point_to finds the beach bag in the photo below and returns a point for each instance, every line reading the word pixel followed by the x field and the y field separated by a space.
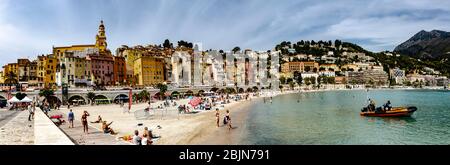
pixel 225 120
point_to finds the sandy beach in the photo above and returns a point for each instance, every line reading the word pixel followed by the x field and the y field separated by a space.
pixel 195 128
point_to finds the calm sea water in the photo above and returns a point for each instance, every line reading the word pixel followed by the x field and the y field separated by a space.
pixel 333 118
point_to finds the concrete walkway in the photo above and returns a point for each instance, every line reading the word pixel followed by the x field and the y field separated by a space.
pixel 18 130
pixel 47 133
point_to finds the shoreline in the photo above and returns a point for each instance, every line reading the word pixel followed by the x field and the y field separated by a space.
pixel 188 129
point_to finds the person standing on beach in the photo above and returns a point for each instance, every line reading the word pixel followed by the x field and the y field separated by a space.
pixel 70 117
pixel 217 116
pixel 228 120
pixel 84 121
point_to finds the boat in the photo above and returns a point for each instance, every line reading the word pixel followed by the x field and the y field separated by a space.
pixel 394 112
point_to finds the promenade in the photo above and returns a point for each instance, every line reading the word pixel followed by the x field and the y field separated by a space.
pixel 17 130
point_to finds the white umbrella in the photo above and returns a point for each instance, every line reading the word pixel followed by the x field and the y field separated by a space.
pixel 14 100
pixel 26 100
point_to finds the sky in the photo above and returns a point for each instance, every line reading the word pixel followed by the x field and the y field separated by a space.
pixel 31 27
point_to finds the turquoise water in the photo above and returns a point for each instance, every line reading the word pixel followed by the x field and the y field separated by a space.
pixel 333 118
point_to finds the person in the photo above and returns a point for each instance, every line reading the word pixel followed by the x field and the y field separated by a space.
pixel 99 120
pixel 125 109
pixel 228 120
pixel 145 131
pixel 217 116
pixel 387 106
pixel 70 117
pixel 107 129
pixel 84 122
pixel 371 106
pixel 136 139
pixel 145 140
pixel 31 110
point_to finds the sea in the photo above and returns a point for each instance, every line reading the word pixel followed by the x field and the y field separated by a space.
pixel 332 118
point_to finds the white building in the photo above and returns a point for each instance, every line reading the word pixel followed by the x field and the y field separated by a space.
pixel 397 75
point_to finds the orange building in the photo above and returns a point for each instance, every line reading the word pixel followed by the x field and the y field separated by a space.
pixel 290 67
pixel 120 70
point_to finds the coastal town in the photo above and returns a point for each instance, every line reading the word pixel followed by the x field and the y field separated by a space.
pixel 151 86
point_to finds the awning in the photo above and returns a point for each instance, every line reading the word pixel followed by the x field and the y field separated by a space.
pixel 26 100
pixel 14 100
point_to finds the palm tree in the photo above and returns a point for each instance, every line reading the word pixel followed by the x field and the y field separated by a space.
pixel 11 79
pixel 144 95
pixel 162 89
pixel 90 96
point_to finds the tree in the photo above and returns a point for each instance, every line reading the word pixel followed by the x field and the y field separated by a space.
pixel 185 44
pixel 20 95
pixel 298 77
pixel 167 44
pixel 307 80
pixel 307 69
pixel 313 80
pixel 289 80
pixel 236 49
pixel 255 89
pixel 315 70
pixel 162 89
pixel 144 95
pixel 90 96
pixel 322 69
pixel 46 93
pixel 282 80
pixel 291 84
pixel 337 43
pixel 220 51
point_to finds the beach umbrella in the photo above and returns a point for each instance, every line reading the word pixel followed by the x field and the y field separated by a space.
pixel 195 101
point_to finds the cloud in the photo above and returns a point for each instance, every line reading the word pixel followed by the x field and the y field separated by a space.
pixel 28 27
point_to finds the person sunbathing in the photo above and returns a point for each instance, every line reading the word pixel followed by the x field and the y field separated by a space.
pixel 99 120
pixel 107 129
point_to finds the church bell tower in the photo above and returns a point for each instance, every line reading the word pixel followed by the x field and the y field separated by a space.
pixel 100 38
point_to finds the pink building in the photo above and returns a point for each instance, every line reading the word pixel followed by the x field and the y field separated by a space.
pixel 102 68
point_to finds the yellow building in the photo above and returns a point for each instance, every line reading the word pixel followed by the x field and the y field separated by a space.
pixel 350 67
pixel 12 71
pixel 2 77
pixel 46 71
pixel 100 44
pixel 131 54
pixel 59 51
pixel 149 70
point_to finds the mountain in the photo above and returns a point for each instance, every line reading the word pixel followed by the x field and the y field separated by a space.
pixel 426 45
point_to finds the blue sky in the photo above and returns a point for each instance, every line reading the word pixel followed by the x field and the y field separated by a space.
pixel 32 27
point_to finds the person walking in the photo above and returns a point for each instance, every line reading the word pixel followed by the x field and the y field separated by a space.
pixel 31 111
pixel 70 117
pixel 217 117
pixel 84 122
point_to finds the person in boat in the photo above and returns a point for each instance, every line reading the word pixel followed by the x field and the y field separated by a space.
pixel 371 106
pixel 388 106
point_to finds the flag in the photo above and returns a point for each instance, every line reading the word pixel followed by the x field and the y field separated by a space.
pixel 130 99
